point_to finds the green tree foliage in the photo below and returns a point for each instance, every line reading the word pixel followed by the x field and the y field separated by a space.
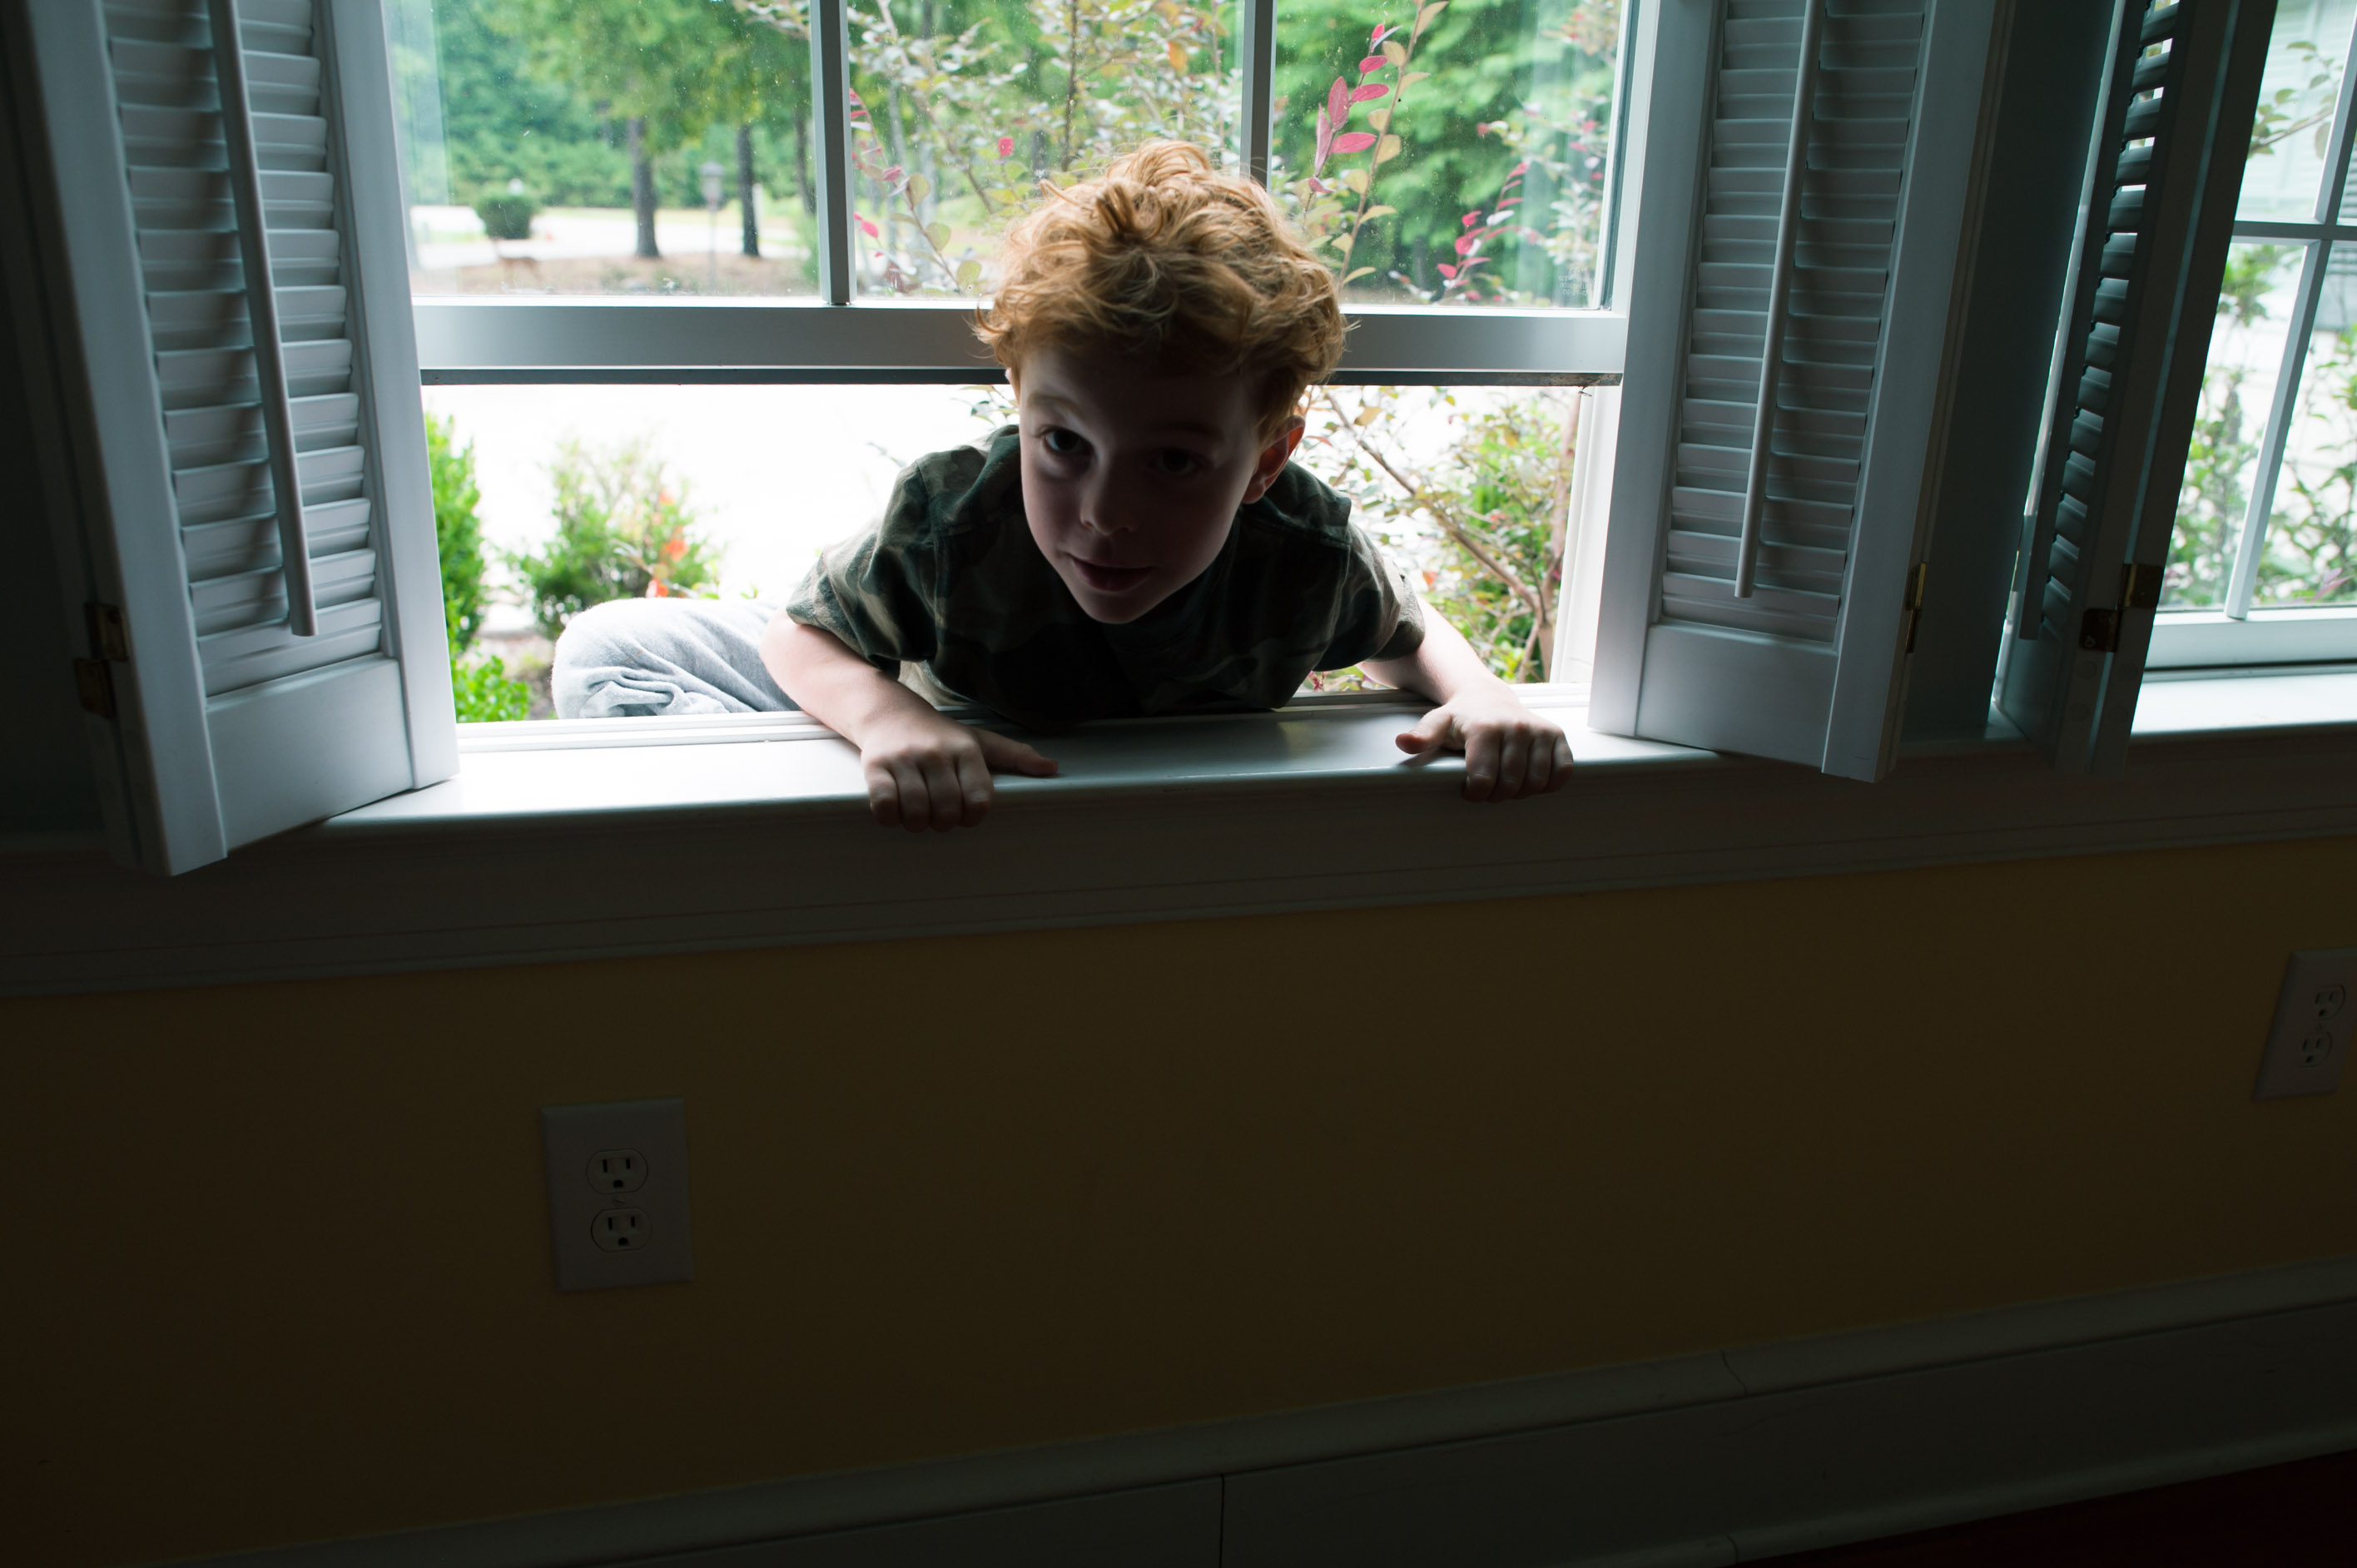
pixel 502 119
pixel 481 688
pixel 624 530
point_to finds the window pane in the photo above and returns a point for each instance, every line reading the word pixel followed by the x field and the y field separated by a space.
pixel 605 146
pixel 2246 344
pixel 579 494
pixel 2302 79
pixel 964 106
pixel 1453 154
pixel 2311 548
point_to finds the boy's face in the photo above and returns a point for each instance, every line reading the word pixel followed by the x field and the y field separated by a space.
pixel 1132 475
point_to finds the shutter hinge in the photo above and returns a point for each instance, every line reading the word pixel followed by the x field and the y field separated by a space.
pixel 95 685
pixel 1915 581
pixel 109 639
pixel 2099 629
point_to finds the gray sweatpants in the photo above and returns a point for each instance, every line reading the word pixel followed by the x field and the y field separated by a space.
pixel 642 657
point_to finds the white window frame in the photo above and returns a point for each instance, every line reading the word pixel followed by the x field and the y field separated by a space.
pixel 2237 633
pixel 839 338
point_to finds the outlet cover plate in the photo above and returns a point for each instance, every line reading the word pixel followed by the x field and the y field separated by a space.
pixel 2310 1042
pixel 573 1137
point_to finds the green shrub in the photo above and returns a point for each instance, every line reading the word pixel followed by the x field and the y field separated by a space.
pixel 623 531
pixel 484 693
pixel 457 530
pixel 506 217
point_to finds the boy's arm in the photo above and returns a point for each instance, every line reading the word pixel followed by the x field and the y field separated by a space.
pixel 923 770
pixel 1509 750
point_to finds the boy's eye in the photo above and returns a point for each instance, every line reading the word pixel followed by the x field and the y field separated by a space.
pixel 1170 460
pixel 1062 441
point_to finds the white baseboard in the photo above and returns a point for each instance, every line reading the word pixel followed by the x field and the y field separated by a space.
pixel 1721 1457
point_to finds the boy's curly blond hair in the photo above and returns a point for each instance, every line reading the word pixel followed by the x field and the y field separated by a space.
pixel 1167 259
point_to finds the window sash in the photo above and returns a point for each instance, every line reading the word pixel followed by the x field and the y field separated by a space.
pixel 835 338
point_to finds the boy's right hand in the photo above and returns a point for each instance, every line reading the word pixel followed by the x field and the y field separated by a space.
pixel 927 771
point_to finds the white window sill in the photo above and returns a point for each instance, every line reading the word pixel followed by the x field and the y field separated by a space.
pixel 671 836
pixel 791 766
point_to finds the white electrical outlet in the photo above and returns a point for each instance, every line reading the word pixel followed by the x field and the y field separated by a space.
pixel 2313 1015
pixel 618 1192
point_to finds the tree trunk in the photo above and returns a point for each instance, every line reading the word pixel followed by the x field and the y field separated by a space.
pixel 643 189
pixel 744 196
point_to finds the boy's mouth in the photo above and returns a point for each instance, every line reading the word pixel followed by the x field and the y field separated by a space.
pixel 1109 579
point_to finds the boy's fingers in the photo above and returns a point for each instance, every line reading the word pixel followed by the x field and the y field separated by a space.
pixel 1561 773
pixel 916 804
pixel 1004 756
pixel 1427 733
pixel 1513 765
pixel 883 797
pixel 944 793
pixel 974 785
pixel 1480 764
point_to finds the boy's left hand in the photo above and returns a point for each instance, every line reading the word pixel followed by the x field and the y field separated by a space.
pixel 1510 751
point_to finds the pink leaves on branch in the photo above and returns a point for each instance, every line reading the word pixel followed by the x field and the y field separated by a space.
pixel 1006 146
pixel 1372 64
pixel 1354 142
pixel 1372 89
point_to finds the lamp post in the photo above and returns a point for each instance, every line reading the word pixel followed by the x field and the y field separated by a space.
pixel 712 173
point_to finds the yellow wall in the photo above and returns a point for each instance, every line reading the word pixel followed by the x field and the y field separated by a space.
pixel 278 1266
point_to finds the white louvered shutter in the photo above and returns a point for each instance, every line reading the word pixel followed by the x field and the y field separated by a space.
pixel 2162 182
pixel 232 724
pixel 1807 666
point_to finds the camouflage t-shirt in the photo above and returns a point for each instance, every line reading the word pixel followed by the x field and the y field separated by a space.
pixel 952 581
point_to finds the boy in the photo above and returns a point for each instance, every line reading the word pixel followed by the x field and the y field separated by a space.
pixel 1138 542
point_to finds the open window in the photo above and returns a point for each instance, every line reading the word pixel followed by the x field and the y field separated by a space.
pixel 697 292
pixel 248 536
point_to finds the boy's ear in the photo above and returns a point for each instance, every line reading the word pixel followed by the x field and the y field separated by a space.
pixel 1272 459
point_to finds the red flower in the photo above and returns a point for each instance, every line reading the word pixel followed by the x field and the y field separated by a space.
pixel 1354 142
pixel 1006 146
